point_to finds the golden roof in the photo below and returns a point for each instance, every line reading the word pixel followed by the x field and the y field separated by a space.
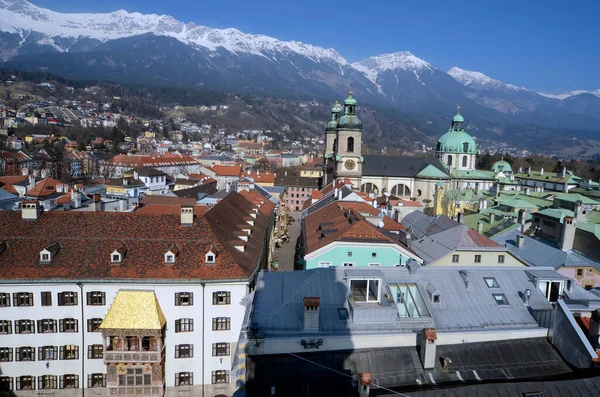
pixel 134 310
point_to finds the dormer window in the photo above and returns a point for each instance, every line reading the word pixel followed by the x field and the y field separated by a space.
pixel 210 258
pixel 45 257
pixel 116 258
pixel 117 255
pixel 170 258
pixel 436 298
pixel 171 254
pixel 49 252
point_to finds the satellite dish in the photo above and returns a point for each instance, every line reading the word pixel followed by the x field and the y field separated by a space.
pixel 380 224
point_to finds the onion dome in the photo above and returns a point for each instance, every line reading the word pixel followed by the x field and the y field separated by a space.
pixel 350 120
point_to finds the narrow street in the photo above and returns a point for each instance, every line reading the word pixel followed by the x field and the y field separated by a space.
pixel 285 254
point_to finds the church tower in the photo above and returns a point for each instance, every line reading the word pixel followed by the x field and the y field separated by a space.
pixel 348 150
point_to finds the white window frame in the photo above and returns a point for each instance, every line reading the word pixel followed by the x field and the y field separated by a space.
pixel 374 264
pixel 169 257
pixel 116 255
pixel 210 253
pixel 368 280
pixel 325 264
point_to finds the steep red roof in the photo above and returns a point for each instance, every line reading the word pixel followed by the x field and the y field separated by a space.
pixel 166 209
pixel 88 238
pixel 44 188
pixel 154 160
pixel 332 223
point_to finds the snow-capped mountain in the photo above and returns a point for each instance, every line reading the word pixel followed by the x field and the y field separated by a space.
pixel 479 81
pixel 570 94
pixel 22 17
pixel 158 49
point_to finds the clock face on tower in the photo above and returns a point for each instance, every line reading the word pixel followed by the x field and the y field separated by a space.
pixel 349 164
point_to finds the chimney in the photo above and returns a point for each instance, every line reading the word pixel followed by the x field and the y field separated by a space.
pixel 541 171
pixel 492 217
pixel 187 215
pixel 522 219
pixel 520 240
pixel 335 193
pixel 482 204
pixel 125 182
pixel 526 191
pixel 594 331
pixel 479 227
pixel 459 217
pixel 427 351
pixel 567 237
pixel 527 296
pixel 408 239
pixel 311 313
pixel 520 170
pixel 364 384
pixel 76 198
pixel 30 210
pixel 563 174
pixel 579 211
pixel 285 172
pixel 465 276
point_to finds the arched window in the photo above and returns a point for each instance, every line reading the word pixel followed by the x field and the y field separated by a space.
pixel 438 147
pixel 335 144
pixel 464 162
pixel 369 188
pixel 449 162
pixel 350 144
pixel 400 190
pixel 466 147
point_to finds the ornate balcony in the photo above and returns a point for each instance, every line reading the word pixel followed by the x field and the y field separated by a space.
pixel 132 356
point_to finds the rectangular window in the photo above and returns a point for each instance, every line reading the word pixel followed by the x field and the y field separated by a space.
pixel 500 299
pixel 580 272
pixel 22 299
pixel 221 298
pixel 221 323
pixel 455 258
pixel 46 298
pixel 477 259
pixel 46 326
pixel 5 327
pixel 68 325
pixel 184 298
pixel 220 376
pixel 349 254
pixel 48 353
pixel 93 324
pixel 6 354
pixel 6 383
pixel 96 298
pixel 184 351
pixel 96 380
pixel 184 325
pixel 25 383
pixel 491 282
pixel 24 353
pixel 500 258
pixel 24 327
pixel 364 290
pixel 46 382
pixel 374 255
pixel 67 298
pixel 69 352
pixel 69 381
pixel 4 299
pixel 95 351
pixel 374 264
pixel 184 379
pixel 221 349
pixel 324 264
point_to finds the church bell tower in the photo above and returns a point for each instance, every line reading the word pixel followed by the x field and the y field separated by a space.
pixel 348 144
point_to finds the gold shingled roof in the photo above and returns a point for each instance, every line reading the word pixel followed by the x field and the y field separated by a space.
pixel 134 310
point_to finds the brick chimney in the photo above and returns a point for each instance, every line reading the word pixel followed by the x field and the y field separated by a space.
pixel 187 215
pixel 30 210
pixel 567 237
pixel 364 384
pixel 427 352
pixel 492 217
pixel 311 313
pixel 480 227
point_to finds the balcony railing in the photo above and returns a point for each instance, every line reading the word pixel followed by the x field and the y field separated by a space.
pixel 113 356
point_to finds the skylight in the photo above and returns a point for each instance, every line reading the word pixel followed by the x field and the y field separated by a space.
pixel 500 299
pixel 491 282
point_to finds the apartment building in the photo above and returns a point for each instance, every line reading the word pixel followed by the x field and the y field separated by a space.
pixel 124 303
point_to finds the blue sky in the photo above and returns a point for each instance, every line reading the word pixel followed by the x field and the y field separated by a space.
pixel 544 45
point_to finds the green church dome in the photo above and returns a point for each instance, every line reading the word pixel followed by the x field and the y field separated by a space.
pixel 501 166
pixel 350 100
pixel 332 125
pixel 350 120
pixel 456 140
pixel 337 108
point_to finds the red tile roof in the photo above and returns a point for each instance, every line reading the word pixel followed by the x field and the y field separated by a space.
pixel 165 209
pixel 154 160
pixel 227 170
pixel 88 238
pixel 259 177
pixel 362 208
pixel 44 188
pixel 333 223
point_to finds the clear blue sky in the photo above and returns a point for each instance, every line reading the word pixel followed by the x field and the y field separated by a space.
pixel 544 45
